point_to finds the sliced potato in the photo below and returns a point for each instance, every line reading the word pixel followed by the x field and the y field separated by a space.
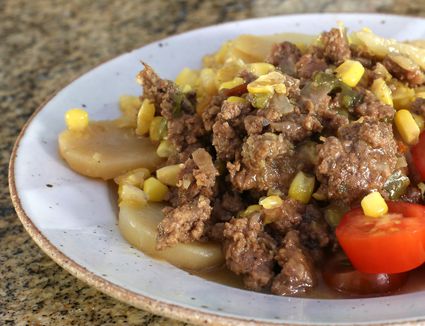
pixel 139 227
pixel 381 47
pixel 103 150
pixel 253 48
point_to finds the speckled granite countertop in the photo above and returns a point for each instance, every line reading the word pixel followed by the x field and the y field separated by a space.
pixel 44 45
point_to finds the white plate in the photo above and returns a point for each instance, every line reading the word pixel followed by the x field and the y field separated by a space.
pixel 74 219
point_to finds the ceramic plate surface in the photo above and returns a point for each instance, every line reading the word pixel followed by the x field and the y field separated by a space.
pixel 73 218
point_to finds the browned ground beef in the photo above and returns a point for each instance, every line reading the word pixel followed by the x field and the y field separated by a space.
pixel 267 162
pixel 249 251
pixel 308 64
pixel 297 273
pixel 372 107
pixel 235 154
pixel 418 107
pixel 195 190
pixel 413 75
pixel 285 56
pixel 335 46
pixel 358 160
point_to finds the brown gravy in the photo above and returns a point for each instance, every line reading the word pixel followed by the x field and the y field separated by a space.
pixel 415 282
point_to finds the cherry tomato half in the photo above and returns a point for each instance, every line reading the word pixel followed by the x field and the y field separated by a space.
pixel 418 155
pixel 392 243
pixel 341 276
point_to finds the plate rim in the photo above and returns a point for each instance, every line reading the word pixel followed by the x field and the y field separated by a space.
pixel 122 294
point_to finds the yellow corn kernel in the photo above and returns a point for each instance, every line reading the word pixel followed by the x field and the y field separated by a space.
pixel 145 117
pixel 232 83
pixel 374 205
pixel 76 119
pixel 407 127
pixel 260 68
pixel 403 96
pixel 268 84
pixel 382 91
pixel 169 175
pixel 134 177
pixel 271 202
pixel 236 99
pixel 302 187
pixel 165 149
pixel 158 129
pixel 131 195
pixel 350 72
pixel 207 81
pixel 155 189
pixel 249 210
pixel 187 77
pixel 419 121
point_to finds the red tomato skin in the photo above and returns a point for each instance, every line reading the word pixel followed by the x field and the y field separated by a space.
pixel 384 252
pixel 418 155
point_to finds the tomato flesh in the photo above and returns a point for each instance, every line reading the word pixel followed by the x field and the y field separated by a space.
pixel 418 156
pixel 341 276
pixel 393 243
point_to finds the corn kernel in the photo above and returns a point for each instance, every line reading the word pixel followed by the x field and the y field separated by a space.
pixel 169 175
pixel 232 83
pixel 382 91
pixel 260 68
pixel 187 77
pixel 271 202
pixel 134 177
pixel 374 205
pixel 419 121
pixel 155 189
pixel 145 117
pixel 131 195
pixel 249 210
pixel 158 129
pixel 268 84
pixel 350 72
pixel 236 99
pixel 302 187
pixel 165 149
pixel 407 127
pixel 76 119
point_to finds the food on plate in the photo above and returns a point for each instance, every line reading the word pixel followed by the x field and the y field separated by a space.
pixel 291 159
